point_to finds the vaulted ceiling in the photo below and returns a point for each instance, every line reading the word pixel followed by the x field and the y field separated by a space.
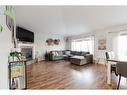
pixel 69 20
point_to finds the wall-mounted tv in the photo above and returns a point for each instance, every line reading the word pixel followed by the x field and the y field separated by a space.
pixel 24 35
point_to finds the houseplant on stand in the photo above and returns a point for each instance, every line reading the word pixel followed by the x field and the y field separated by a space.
pixel 15 56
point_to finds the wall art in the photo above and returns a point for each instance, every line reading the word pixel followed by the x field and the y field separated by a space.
pixel 102 44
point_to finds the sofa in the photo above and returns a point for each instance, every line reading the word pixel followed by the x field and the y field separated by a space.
pixel 72 56
pixel 55 55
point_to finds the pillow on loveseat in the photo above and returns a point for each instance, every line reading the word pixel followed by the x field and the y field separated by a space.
pixel 54 53
pixel 60 53
pixel 67 52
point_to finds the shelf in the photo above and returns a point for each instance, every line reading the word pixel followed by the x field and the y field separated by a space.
pixel 17 75
pixel 17 61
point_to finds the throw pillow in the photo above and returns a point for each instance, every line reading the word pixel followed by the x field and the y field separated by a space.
pixel 67 52
pixel 57 54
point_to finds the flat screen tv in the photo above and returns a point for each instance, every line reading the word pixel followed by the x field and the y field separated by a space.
pixel 24 35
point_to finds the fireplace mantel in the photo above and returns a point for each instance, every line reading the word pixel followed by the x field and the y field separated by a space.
pixel 27 44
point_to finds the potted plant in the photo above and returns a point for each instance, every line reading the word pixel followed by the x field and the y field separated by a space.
pixel 15 56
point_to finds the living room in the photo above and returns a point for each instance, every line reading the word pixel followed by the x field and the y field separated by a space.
pixel 68 45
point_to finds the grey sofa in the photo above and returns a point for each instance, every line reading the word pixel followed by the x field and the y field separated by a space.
pixel 55 55
pixel 74 57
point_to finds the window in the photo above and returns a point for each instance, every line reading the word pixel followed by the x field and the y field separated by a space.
pixel 85 44
pixel 122 51
pixel 117 44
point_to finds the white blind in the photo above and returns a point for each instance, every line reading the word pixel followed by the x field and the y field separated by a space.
pixel 122 45
pixel 117 43
pixel 84 44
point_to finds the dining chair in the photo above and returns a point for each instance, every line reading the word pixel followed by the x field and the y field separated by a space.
pixel 121 68
pixel 110 55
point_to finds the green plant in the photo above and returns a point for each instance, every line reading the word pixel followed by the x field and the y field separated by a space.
pixel 16 54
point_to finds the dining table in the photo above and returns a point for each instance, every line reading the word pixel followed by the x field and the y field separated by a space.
pixel 110 62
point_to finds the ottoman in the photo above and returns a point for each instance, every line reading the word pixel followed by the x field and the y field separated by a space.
pixel 78 60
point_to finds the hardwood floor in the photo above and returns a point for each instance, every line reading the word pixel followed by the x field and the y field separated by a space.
pixel 63 75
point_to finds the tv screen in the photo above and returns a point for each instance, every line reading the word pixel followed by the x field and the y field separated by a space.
pixel 24 35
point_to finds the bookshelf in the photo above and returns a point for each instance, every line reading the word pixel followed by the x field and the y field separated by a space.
pixel 17 75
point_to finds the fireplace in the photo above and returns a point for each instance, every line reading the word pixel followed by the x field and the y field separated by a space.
pixel 27 52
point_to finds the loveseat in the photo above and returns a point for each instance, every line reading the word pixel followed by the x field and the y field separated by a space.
pixel 56 55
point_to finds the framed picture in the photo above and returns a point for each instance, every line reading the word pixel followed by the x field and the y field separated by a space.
pixel 102 44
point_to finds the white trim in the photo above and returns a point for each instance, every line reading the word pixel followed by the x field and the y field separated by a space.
pixel 27 45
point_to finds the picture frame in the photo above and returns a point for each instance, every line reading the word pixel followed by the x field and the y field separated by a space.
pixel 102 44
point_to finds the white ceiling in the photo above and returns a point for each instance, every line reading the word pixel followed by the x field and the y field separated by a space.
pixel 69 20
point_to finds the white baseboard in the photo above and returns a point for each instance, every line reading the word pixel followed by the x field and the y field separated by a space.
pixel 99 61
pixel 31 62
